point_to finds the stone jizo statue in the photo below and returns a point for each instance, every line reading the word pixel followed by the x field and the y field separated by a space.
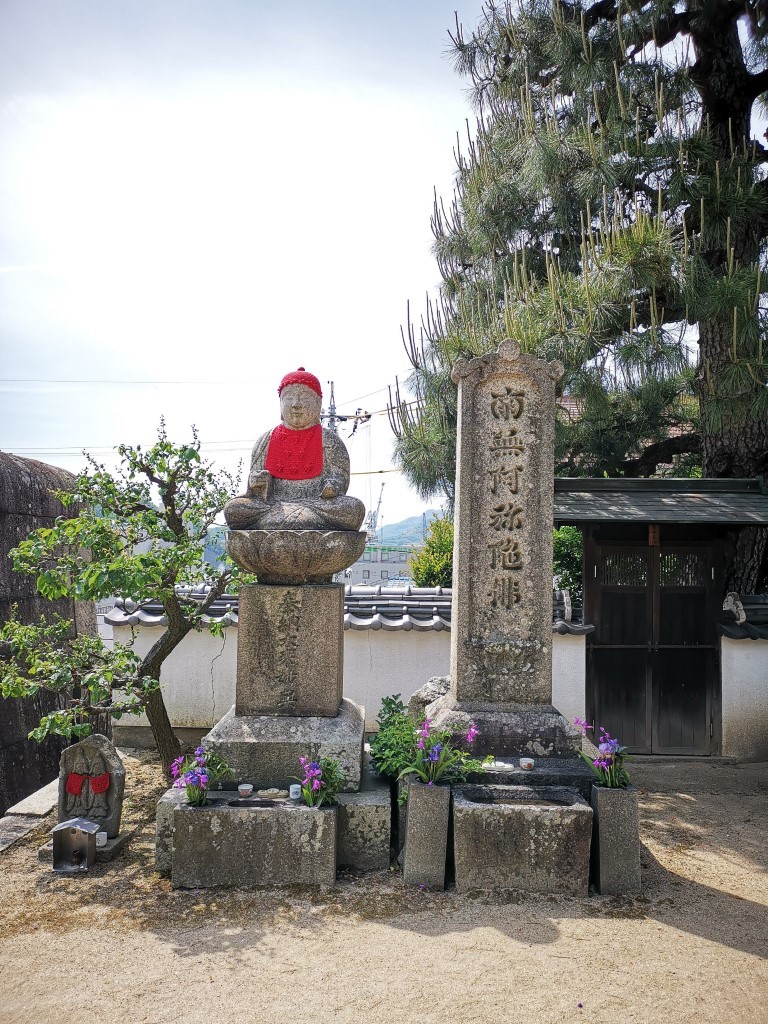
pixel 299 470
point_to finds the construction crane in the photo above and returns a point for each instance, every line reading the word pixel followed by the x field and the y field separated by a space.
pixel 372 522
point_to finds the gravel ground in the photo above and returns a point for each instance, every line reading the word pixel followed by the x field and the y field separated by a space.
pixel 121 943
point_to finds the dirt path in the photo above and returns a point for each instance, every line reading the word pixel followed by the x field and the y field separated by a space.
pixel 120 943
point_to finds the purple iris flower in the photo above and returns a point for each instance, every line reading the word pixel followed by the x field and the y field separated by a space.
pixel 434 754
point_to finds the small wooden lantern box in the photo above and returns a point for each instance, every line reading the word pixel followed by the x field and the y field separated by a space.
pixel 74 845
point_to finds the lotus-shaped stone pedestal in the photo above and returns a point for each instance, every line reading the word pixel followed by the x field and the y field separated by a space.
pixel 295 557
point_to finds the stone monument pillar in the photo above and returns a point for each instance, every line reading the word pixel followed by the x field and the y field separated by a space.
pixel 501 628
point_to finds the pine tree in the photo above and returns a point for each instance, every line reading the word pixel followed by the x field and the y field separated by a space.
pixel 610 211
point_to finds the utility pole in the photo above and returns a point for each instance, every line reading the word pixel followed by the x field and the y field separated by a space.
pixel 330 416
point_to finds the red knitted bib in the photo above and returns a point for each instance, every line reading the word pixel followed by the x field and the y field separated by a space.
pixel 295 454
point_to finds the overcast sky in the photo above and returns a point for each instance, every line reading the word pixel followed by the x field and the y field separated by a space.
pixel 212 193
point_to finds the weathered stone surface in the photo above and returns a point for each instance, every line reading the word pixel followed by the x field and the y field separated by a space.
pixel 515 837
pixel 290 650
pixel 295 557
pixel 501 619
pixel 365 826
pixel 547 771
pixel 38 804
pixel 426 835
pixel 87 762
pixel 166 805
pixel 615 841
pixel 265 750
pixel 280 844
pixel 14 827
pixel 528 731
pixel 432 690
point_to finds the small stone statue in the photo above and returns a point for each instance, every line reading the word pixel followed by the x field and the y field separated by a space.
pixel 299 470
pixel 91 783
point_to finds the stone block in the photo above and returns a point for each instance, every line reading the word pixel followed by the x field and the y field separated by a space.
pixel 166 805
pixel 426 835
pixel 277 844
pixel 521 837
pixel 38 804
pixel 365 826
pixel 290 650
pixel 615 841
pixel 265 750
pixel 536 732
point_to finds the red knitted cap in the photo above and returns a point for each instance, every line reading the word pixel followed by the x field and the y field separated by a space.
pixel 301 376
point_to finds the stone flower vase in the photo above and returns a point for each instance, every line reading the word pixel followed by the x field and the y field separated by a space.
pixel 426 835
pixel 615 856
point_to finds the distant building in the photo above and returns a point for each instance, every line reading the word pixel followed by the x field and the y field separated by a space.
pixel 380 563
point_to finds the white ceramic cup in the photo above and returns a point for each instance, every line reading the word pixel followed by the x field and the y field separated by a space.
pixel 526 763
pixel 295 791
pixel 101 839
pixel 244 789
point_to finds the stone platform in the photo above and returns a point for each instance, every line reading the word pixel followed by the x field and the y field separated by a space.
pixel 265 749
pixel 363 827
pixel 244 843
pixel 531 838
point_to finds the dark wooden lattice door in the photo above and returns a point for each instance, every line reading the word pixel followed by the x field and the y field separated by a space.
pixel 653 656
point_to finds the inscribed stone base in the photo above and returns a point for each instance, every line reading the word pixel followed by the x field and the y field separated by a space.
pixel 521 837
pixel 530 731
pixel 290 650
pixel 265 750
pixel 280 844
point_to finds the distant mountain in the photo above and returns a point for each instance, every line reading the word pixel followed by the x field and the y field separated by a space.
pixel 408 531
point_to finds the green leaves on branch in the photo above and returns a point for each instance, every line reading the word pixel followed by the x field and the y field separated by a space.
pixel 433 565
pixel 90 678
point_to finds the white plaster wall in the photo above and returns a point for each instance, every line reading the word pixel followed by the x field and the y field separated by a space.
pixel 569 667
pixel 380 662
pixel 744 665
pixel 198 679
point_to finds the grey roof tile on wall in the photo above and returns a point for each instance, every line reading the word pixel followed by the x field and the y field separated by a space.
pixel 372 607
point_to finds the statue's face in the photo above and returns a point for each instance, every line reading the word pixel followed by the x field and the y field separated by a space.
pixel 299 407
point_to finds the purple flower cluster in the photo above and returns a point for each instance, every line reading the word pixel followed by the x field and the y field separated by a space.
pixel 423 734
pixel 434 754
pixel 195 776
pixel 609 764
pixel 472 733
pixel 313 774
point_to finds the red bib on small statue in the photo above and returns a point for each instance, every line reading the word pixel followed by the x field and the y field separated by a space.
pixel 295 454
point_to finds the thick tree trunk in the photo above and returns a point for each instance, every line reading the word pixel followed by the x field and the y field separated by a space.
pixel 165 738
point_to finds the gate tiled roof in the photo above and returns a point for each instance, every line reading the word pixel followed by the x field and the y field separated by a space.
pixel 589 499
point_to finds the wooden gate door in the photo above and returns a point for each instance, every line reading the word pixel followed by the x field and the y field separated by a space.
pixel 652 660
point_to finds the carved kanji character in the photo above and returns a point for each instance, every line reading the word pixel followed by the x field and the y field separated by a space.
pixel 506 554
pixel 507 403
pixel 506 517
